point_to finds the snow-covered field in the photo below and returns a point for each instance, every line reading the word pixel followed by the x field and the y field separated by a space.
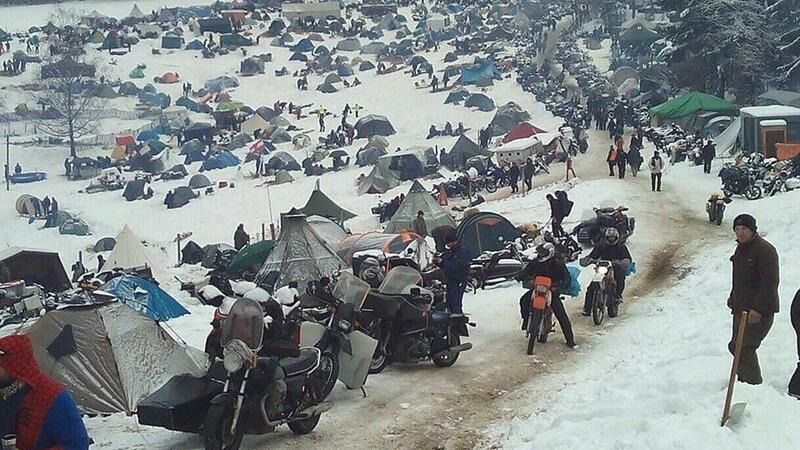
pixel 653 378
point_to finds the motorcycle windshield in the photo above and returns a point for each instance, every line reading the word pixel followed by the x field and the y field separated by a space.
pixel 398 279
pixel 245 322
pixel 351 289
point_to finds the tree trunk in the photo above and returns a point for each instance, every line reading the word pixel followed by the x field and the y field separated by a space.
pixel 72 151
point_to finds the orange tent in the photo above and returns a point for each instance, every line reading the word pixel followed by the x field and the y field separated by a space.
pixel 169 78
pixel 521 131
pixel 122 141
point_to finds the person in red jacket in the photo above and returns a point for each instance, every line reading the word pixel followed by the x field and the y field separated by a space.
pixel 34 407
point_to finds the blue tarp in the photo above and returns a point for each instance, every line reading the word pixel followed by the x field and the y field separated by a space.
pixel 574 285
pixel 147 135
pixel 145 298
pixel 27 177
pixel 220 161
pixel 482 69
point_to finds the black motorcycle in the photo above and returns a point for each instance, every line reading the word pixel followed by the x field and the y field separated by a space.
pixel 491 268
pixel 411 324
pixel 590 232
pixel 740 181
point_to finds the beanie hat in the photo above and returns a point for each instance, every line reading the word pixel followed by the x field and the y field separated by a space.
pixel 745 220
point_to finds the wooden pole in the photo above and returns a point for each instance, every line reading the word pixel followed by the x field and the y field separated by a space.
pixel 8 162
pixel 726 411
pixel 263 232
pixel 178 240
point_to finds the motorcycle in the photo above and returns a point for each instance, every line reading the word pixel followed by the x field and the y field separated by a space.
pixel 591 231
pixel 491 268
pixel 246 394
pixel 603 291
pixel 410 323
pixel 740 181
pixel 715 207
pixel 540 317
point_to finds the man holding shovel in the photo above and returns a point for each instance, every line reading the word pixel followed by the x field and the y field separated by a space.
pixel 754 292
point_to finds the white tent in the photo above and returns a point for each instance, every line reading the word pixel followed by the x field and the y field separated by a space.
pixel 136 12
pixel 129 253
pixel 256 122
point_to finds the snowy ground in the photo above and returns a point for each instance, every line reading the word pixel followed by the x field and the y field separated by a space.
pixel 653 378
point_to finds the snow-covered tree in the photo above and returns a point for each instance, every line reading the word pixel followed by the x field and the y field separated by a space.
pixel 784 20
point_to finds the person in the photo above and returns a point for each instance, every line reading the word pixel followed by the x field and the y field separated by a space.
pixel 434 83
pixel 634 160
pixel 610 249
pixel 622 162
pixel 656 167
pixel 546 264
pixel 432 132
pixel 794 383
pixel 420 227
pixel 53 205
pixel 528 172
pixel 708 154
pixel 560 208
pixel 448 129
pixel 612 127
pixel 35 408
pixel 67 167
pixel 321 122
pixel 100 262
pixel 5 273
pixel 611 159
pixel 240 237
pixel 754 291
pixel 17 169
pixel 455 261
pixel 46 205
pixel 513 177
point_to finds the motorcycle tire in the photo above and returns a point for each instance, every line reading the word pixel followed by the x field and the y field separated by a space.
pixel 305 426
pixel 753 193
pixel 613 305
pixel 447 360
pixel 491 187
pixel 547 325
pixel 217 425
pixel 598 307
pixel 534 324
pixel 379 362
pixel 329 376
pixel 464 194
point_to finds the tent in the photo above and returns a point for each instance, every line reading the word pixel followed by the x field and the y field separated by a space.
pixel 280 136
pixel 365 66
pixel 105 244
pixel 298 57
pixel 29 206
pixel 506 118
pixel 374 125
pixel 327 229
pixel 129 253
pixel 482 69
pixel 303 46
pixel 383 242
pixel 136 73
pixel 171 41
pixel 96 37
pixel 181 196
pixel 464 149
pixel 191 253
pixel 375 48
pixel 136 12
pixel 234 40
pixel 521 131
pixel 320 204
pixel 220 160
pixel 198 130
pixel 393 168
pixel 134 190
pixel 111 41
pixel 251 257
pixel 57 219
pixel 456 96
pixel 349 45
pixel 144 297
pixel 369 155
pixel 168 78
pixel 195 45
pixel 199 181
pixel 255 123
pixel 327 88
pixel 638 34
pixel 221 83
pixel 299 255
pixel 685 108
pixel 485 231
pixel 282 161
pixel 283 176
pixel 480 101
pixel 418 199
pixel 266 113
pixel 333 78
pixel 74 227
pixel 36 267
pixel 251 66
pixel 109 357
pixel 778 97
pixel 215 25
pixel 344 70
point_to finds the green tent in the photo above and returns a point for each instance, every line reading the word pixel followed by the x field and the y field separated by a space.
pixel 96 37
pixel 638 34
pixel 171 41
pixel 418 199
pixel 137 73
pixel 250 258
pixel 230 106
pixel 692 103
pixel 320 204
pixel 234 40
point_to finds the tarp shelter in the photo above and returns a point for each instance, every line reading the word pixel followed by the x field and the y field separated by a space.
pixel 67 67
pixel 685 108
pixel 215 25
pixel 384 242
pixel 464 149
pixel 145 298
pixel 74 227
pixel 726 141
pixel 418 199
pixel 349 45
pixel 320 204
pixel 109 357
pixel 521 131
pixel 486 231
pixel 393 168
pixel 638 34
pixel 195 45
pixel 220 160
pixel 36 266
pixel 234 40
pixel 105 244
pixel 199 181
pixel 480 101
pixel 198 130
pixel 221 83
pixel 328 230
pixel 251 257
pixel 778 97
pixel 129 253
pixel 299 255
pixel 171 41
pixel 134 190
pixel 374 125
pixel 29 206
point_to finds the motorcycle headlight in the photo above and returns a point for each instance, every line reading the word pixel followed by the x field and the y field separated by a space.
pixel 232 361
pixel 602 270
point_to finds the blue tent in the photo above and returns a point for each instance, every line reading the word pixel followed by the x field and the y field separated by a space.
pixel 194 45
pixel 194 156
pixel 482 69
pixel 145 298
pixel 343 70
pixel 303 45
pixel 298 57
pixel 147 135
pixel 220 161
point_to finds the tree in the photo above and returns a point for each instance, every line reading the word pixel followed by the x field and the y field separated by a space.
pixel 784 19
pixel 69 110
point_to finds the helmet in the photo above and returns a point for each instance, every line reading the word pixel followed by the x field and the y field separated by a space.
pixel 611 235
pixel 545 251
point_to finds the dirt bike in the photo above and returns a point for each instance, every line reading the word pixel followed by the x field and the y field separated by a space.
pixel 603 291
pixel 715 207
pixel 540 317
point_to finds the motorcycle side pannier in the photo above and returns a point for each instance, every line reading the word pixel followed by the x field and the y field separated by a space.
pixel 179 405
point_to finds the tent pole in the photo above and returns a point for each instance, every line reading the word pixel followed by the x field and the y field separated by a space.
pixel 8 162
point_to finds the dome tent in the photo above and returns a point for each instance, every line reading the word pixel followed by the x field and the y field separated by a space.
pixel 418 199
pixel 485 231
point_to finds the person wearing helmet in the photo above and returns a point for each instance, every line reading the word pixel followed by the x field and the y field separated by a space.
pixel 455 261
pixel 547 264
pixel 610 249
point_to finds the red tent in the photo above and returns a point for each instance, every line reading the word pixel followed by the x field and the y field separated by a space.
pixel 122 141
pixel 521 131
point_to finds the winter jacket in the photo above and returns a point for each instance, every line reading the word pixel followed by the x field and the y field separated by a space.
pixel 420 227
pixel 41 414
pixel 612 156
pixel 755 277
pixel 656 165
pixel 552 268
pixel 612 253
pixel 529 170
pixel 622 158
pixel 513 174
pixel 455 264
pixel 709 152
pixel 634 157
pixel 240 238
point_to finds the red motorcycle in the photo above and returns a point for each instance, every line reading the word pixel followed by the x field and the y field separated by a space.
pixel 540 318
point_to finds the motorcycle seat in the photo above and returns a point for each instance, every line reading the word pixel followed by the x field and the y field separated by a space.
pixel 384 306
pixel 308 359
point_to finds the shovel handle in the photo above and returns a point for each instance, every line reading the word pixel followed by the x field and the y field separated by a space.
pixel 726 412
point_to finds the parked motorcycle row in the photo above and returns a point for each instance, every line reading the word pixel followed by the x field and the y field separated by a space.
pixel 756 177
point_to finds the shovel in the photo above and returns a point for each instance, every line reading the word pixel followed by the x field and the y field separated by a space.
pixel 732 415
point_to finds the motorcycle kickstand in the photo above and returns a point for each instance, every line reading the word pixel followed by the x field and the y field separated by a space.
pixel 364 392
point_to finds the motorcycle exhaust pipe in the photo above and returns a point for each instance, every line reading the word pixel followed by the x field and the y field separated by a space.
pixel 457 349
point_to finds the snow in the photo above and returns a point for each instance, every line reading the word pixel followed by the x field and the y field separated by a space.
pixel 771 111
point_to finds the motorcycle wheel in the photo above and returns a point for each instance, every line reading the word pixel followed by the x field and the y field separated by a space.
pixel 753 193
pixel 329 371
pixel 598 307
pixel 304 426
pixel 727 192
pixel 448 359
pixel 473 284
pixel 534 324
pixel 491 187
pixel 613 305
pixel 217 427
pixel 547 325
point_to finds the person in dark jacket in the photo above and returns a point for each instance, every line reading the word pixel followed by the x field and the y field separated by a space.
pixel 46 205
pixel 708 154
pixel 755 292
pixel 455 261
pixel 53 205
pixel 622 162
pixel 546 264
pixel 513 177
pixel 611 249
pixel 794 383
pixel 528 172
pixel 634 157
pixel 240 238
pixel 420 227
pixel 34 407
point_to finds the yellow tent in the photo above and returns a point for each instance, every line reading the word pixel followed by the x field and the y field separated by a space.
pixel 118 153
